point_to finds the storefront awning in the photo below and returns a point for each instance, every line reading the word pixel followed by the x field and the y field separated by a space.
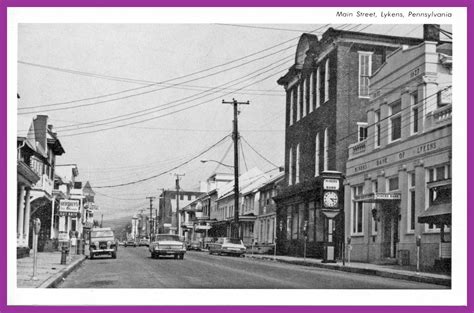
pixel 375 197
pixel 436 214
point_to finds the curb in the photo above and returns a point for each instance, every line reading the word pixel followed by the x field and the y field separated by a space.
pixel 364 271
pixel 53 281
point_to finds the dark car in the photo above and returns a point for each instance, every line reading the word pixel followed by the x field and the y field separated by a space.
pixel 130 243
pixel 102 242
pixel 194 245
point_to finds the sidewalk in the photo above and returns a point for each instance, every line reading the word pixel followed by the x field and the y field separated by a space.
pixel 389 271
pixel 49 272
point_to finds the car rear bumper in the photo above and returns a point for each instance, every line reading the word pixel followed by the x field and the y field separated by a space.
pixel 102 251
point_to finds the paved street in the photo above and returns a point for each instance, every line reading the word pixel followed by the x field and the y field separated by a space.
pixel 134 268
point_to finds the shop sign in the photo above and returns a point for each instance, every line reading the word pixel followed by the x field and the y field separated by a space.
pixel 63 237
pixel 412 152
pixel 330 184
pixel 387 196
pixel 69 206
pixel 375 197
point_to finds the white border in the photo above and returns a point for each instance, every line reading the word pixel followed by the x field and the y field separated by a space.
pixel 454 296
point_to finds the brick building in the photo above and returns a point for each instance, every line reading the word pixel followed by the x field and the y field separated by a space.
pixel 327 94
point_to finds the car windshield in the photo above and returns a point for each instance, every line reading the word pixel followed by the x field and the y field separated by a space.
pixel 167 238
pixel 102 233
pixel 233 240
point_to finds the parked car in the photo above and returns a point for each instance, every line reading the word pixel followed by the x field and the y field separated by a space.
pixel 229 246
pixel 102 241
pixel 144 242
pixel 194 245
pixel 130 243
pixel 167 245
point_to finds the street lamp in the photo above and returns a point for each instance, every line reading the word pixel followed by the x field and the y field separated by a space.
pixel 226 165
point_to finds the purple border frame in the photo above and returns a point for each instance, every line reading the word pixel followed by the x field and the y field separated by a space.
pixel 4 5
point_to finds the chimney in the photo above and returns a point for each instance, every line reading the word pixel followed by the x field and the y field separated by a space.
pixel 431 32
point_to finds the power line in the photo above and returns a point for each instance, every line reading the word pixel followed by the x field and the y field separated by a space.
pixel 167 171
pixel 163 115
pixel 263 27
pixel 143 92
pixel 166 81
pixel 258 153
pixel 180 101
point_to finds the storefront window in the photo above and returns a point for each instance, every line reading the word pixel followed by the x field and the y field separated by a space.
pixel 294 227
pixel 311 222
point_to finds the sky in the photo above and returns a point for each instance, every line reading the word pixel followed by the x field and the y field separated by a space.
pixel 133 101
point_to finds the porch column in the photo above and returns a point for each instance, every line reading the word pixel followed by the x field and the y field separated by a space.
pixel 21 212
pixel 26 223
pixel 51 235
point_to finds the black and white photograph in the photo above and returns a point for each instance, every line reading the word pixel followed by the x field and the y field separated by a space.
pixel 235 155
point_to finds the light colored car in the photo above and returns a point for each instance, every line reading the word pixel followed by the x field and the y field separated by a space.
pixel 102 241
pixel 165 244
pixel 229 246
pixel 144 242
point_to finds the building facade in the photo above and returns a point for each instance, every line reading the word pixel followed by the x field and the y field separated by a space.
pixel 168 203
pixel 327 94
pixel 265 225
pixel 37 147
pixel 398 191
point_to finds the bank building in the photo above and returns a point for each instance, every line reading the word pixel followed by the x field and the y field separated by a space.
pixel 398 175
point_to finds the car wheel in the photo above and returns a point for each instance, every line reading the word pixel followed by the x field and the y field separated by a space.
pixel 152 255
pixel 91 256
pixel 181 256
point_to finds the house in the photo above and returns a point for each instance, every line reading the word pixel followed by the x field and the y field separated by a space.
pixel 37 147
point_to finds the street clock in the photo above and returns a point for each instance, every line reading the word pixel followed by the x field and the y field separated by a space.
pixel 330 199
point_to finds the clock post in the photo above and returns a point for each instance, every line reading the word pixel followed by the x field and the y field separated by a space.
pixel 331 207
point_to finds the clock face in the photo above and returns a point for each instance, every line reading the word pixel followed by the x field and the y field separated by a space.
pixel 330 199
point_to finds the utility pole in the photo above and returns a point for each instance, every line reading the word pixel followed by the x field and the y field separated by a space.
pixel 151 210
pixel 178 216
pixel 101 220
pixel 235 230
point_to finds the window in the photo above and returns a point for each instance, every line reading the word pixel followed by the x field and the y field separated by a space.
pixel 316 156
pixel 414 112
pixel 362 131
pixel 297 102
pixel 411 202
pixel 189 197
pixel 311 222
pixel 393 183
pixel 290 167
pixel 375 187
pixel 311 92
pixel 326 81
pixel 326 150
pixel 441 193
pixel 318 88
pixel 365 71
pixel 357 212
pixel 297 167
pixel 181 197
pixel 294 227
pixel 377 128
pixel 289 222
pixel 291 101
pixel 395 121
